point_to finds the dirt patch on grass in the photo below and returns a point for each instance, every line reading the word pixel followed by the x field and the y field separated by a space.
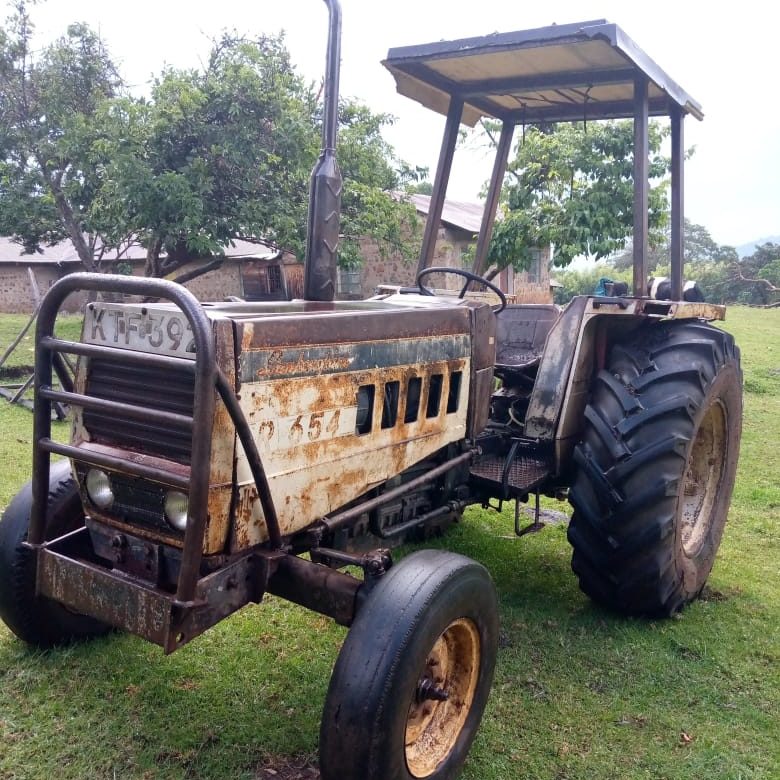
pixel 15 372
pixel 547 516
pixel 711 594
pixel 280 768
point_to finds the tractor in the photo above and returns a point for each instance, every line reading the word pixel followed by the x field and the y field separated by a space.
pixel 223 451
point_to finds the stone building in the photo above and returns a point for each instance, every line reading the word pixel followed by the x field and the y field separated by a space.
pixel 455 248
pixel 257 272
pixel 248 270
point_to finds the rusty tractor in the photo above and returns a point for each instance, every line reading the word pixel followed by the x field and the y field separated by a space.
pixel 222 451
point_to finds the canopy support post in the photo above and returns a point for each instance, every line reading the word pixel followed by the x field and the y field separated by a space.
pixel 440 183
pixel 678 211
pixel 641 184
pixel 494 194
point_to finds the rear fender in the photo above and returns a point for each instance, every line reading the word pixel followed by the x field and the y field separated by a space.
pixel 576 349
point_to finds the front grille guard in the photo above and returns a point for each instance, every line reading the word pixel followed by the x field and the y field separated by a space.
pixel 206 377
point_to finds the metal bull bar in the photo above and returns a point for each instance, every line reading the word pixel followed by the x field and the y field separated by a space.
pixel 208 380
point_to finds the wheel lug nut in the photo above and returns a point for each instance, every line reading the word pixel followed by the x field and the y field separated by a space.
pixel 428 691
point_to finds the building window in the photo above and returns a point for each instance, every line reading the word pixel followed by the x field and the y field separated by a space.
pixel 254 278
pixel 274 279
pixel 535 270
pixel 349 282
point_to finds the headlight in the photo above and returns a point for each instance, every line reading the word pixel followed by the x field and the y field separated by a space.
pixel 99 489
pixel 176 509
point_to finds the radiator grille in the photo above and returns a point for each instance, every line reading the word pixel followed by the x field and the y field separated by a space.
pixel 151 387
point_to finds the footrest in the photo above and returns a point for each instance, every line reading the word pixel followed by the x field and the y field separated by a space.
pixel 525 473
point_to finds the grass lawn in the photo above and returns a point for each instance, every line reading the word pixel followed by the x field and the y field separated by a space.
pixel 579 693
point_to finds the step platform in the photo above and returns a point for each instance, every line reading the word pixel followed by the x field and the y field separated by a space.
pixel 510 477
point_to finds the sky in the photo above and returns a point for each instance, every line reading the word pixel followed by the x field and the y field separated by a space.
pixel 723 55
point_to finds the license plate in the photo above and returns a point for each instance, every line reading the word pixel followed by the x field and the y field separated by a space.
pixel 141 329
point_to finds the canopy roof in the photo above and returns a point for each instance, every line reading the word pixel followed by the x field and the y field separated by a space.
pixel 560 73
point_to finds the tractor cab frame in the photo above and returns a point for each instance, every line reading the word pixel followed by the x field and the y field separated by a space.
pixel 563 73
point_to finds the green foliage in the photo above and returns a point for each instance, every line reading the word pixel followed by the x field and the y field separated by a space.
pixel 423 187
pixel 227 151
pixel 584 281
pixel 572 187
pixel 698 248
pixel 216 153
pixel 371 172
pixel 49 173
pixel 722 277
pixel 754 280
pixel 757 277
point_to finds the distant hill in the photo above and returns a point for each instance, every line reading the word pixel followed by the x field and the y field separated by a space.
pixel 743 250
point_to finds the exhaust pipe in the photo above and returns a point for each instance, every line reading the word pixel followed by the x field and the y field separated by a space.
pixel 319 283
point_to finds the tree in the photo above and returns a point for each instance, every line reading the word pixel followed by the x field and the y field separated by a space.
pixel 49 176
pixel 226 152
pixel 423 187
pixel 213 154
pixel 572 187
pixel 724 278
pixel 373 175
pixel 698 247
pixel 756 278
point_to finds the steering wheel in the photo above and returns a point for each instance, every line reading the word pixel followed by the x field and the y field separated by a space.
pixel 470 277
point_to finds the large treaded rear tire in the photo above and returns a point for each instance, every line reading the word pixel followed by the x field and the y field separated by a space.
pixel 656 466
pixel 36 620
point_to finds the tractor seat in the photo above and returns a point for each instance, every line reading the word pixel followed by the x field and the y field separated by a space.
pixel 521 334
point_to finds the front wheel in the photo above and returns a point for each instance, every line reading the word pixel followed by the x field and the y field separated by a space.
pixel 36 620
pixel 656 467
pixel 412 680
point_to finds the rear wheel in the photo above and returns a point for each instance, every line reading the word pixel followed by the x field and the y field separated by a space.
pixel 39 621
pixel 412 680
pixel 656 466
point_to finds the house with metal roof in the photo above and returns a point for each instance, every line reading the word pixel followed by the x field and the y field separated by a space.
pixel 251 270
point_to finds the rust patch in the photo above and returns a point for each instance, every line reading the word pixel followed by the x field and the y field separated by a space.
pixel 153 535
pixel 162 465
pixel 248 527
pixel 705 311
pixel 217 520
pixel 306 502
pixel 315 409
pixel 305 427
pixel 247 330
pixel 354 480
pixel 223 446
pixel 358 325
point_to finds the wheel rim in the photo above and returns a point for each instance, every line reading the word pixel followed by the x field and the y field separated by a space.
pixel 703 478
pixel 443 698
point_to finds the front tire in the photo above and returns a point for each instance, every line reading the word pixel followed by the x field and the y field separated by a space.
pixel 412 679
pixel 656 467
pixel 40 621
